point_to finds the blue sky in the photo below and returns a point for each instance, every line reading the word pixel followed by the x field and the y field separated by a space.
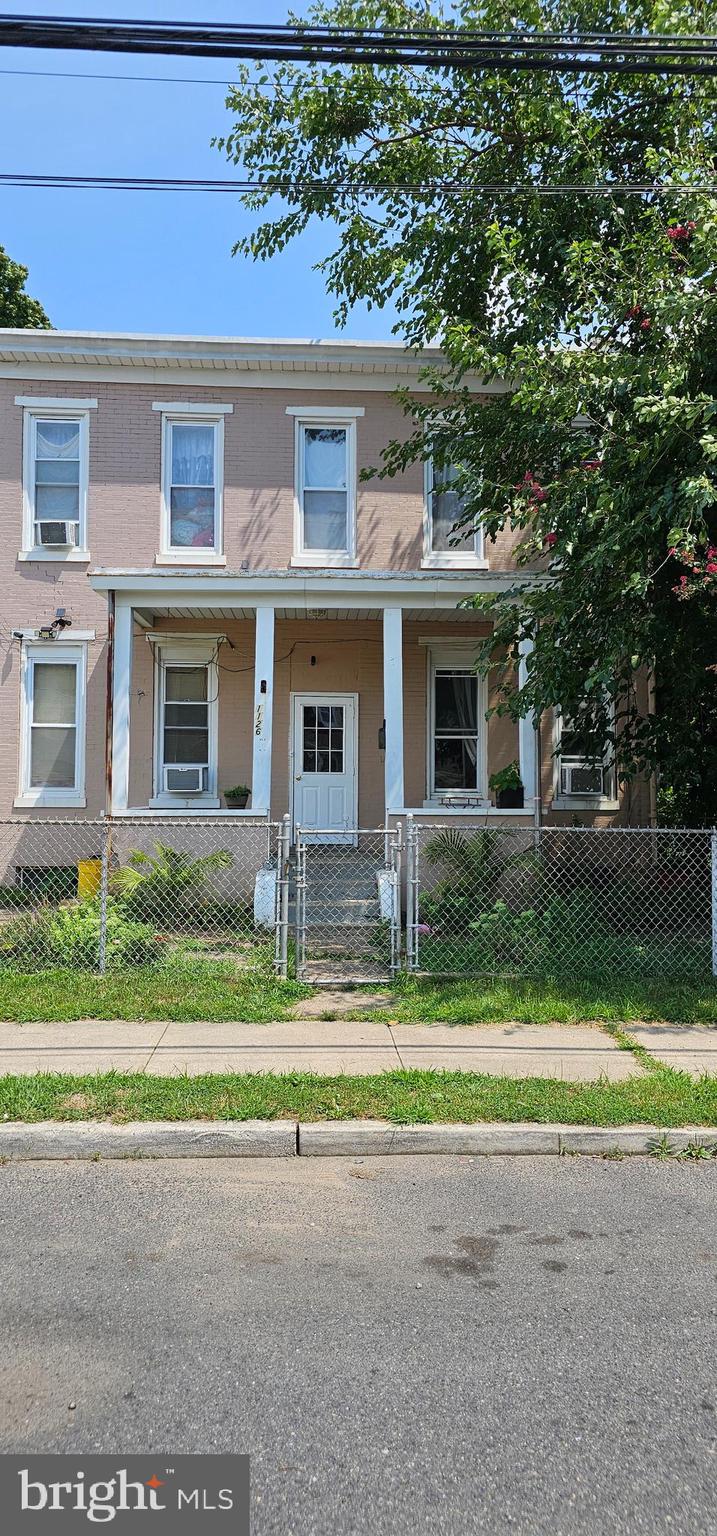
pixel 140 261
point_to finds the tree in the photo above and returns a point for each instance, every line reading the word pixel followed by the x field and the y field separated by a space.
pixel 17 309
pixel 599 312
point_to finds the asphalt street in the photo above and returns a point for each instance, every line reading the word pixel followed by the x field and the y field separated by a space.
pixel 429 1344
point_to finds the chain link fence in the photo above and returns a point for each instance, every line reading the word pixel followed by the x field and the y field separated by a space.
pixel 561 902
pixel 348 906
pixel 108 895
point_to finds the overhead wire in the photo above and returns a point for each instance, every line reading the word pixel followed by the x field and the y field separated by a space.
pixel 453 47
pixel 350 189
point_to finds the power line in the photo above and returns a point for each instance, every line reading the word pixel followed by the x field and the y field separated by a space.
pixel 363 188
pixel 67 74
pixel 454 48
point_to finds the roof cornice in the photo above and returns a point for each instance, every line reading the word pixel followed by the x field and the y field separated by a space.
pixel 246 360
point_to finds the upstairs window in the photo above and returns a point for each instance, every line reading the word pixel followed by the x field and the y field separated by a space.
pixel 56 483
pixel 325 460
pixel 192 488
pixel 444 508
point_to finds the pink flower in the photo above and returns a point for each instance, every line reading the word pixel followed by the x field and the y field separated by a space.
pixel 645 324
pixel 550 539
pixel 712 567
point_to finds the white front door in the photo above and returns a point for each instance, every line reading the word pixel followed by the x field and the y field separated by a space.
pixel 324 765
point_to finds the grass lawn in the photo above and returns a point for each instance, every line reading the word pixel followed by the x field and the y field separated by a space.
pixel 661 1098
pixel 204 990
pixel 490 1001
pixel 216 990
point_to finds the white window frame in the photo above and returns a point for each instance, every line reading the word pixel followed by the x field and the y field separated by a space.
pixel 174 651
pixel 181 555
pixel 54 411
pixel 582 801
pixel 459 655
pixel 447 559
pixel 55 653
pixel 325 557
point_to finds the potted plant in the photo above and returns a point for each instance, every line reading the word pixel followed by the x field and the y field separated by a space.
pixel 237 797
pixel 508 788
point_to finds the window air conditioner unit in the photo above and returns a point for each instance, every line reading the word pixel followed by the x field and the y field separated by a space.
pixel 187 780
pixel 60 535
pixel 581 778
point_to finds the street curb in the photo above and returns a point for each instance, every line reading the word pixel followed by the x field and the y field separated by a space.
pixel 87 1139
pixel 52 1140
pixel 374 1138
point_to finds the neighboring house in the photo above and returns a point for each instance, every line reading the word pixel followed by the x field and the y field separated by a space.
pixel 194 506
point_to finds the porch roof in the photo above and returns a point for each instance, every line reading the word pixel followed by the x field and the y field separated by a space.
pixel 302 593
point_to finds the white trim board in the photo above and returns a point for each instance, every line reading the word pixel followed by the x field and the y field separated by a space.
pixel 326 412
pixel 192 407
pixel 55 402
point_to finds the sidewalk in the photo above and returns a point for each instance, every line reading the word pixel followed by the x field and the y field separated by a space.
pixel 572 1052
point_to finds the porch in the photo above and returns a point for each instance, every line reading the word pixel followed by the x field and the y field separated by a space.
pixel 344 699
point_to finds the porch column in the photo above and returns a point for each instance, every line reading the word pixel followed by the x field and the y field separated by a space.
pixel 121 696
pixel 393 707
pixel 263 709
pixel 526 730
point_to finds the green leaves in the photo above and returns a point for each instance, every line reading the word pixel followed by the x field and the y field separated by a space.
pixel 17 309
pixel 601 324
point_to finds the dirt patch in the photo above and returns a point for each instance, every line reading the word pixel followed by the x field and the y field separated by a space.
pixel 328 1004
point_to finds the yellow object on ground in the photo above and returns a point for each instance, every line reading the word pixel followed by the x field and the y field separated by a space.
pixel 89 877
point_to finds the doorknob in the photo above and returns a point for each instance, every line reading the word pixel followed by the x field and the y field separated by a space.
pixel 298 776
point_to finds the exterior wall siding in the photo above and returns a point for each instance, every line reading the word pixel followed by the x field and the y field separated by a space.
pixel 258 515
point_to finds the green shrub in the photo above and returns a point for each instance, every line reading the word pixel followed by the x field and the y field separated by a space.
pixel 160 886
pixel 70 937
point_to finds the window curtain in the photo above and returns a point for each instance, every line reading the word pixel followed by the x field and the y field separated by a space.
pixel 192 489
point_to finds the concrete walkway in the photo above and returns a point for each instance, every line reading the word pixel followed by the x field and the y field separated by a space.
pixel 686 1047
pixel 575 1053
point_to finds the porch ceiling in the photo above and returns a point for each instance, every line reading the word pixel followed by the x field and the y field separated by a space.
pixel 315 615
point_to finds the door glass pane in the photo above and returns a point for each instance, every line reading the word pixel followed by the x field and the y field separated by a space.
pixel 325 520
pixel 456 702
pixel 185 683
pixel 325 457
pixel 446 508
pixel 456 763
pixel 52 757
pixel 54 693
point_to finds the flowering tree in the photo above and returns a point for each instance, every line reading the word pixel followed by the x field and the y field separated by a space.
pixel 598 311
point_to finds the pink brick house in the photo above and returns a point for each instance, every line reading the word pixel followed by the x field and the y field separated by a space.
pixel 242 608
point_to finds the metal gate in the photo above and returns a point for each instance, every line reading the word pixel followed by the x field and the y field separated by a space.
pixel 348 905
